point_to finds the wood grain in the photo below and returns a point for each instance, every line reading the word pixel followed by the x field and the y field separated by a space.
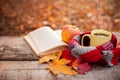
pixel 15 48
pixel 31 70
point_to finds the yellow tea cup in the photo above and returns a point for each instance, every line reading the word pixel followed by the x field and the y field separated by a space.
pixel 97 37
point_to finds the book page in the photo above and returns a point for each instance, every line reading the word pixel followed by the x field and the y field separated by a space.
pixel 31 43
pixel 44 39
pixel 58 32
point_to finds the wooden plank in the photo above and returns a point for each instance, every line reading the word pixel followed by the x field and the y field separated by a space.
pixel 31 70
pixel 15 48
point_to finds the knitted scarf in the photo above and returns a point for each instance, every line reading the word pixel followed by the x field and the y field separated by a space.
pixel 106 54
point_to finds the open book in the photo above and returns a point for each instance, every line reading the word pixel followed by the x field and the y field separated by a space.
pixel 44 41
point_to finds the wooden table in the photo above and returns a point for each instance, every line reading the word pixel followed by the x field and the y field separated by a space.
pixel 18 62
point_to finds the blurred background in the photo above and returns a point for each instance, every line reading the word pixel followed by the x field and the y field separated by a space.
pixel 19 17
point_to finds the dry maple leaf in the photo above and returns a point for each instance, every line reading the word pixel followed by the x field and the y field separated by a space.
pixel 81 67
pixel 59 65
pixel 47 58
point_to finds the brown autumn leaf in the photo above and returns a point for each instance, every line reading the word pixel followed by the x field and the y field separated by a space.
pixel 47 58
pixel 59 65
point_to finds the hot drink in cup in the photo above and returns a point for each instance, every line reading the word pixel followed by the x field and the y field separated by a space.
pixel 97 37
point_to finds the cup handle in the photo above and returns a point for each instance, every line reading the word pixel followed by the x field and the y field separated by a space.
pixel 83 39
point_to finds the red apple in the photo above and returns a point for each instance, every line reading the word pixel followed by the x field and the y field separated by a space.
pixel 68 31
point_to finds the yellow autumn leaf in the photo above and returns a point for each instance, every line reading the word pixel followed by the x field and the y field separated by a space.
pixel 59 65
pixel 47 58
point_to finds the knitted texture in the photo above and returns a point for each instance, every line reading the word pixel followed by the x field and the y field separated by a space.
pixel 78 50
pixel 108 55
pixel 105 54
pixel 74 42
pixel 67 55
pixel 92 56
pixel 106 46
